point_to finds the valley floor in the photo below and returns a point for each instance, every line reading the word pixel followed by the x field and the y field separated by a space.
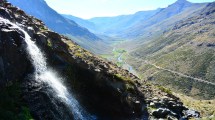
pixel 119 57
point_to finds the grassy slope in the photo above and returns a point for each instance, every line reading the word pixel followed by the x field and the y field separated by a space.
pixel 154 31
pixel 186 48
pixel 205 107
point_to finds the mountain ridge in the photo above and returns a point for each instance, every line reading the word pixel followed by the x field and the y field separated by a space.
pixel 105 90
pixel 165 13
pixel 104 25
pixel 56 19
pixel 58 23
pixel 133 25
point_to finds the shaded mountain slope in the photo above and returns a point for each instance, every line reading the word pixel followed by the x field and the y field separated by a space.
pixel 52 19
pixel 114 25
pixel 105 90
pixel 82 22
pixel 57 23
pixel 143 24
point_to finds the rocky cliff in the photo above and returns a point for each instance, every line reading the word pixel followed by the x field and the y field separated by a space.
pixel 105 90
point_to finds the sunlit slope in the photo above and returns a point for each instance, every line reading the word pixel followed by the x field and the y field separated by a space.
pixel 187 48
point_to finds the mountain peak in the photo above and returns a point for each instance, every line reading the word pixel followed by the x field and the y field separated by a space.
pixel 182 1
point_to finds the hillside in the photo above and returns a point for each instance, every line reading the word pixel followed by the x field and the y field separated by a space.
pixel 57 23
pixel 165 13
pixel 82 22
pixel 94 88
pixel 112 25
pixel 141 34
pixel 182 58
pixel 115 25
pixel 142 23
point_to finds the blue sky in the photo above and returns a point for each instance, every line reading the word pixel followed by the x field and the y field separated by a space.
pixel 97 8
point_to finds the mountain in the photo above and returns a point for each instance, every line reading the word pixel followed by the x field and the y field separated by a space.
pixel 174 48
pixel 138 39
pixel 82 22
pixel 112 25
pixel 58 23
pixel 179 7
pixel 183 57
pixel 35 62
pixel 140 24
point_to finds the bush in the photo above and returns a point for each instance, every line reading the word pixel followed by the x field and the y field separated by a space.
pixel 168 91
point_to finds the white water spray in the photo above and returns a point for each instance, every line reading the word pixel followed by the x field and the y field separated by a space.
pixel 42 73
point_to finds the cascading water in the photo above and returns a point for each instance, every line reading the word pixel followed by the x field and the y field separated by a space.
pixel 44 74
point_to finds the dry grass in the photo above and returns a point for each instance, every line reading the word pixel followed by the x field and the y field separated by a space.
pixel 205 107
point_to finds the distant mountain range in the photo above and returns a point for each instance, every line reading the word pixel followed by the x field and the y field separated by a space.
pixel 58 23
pixel 113 25
pixel 134 25
pixel 82 22
pixel 171 46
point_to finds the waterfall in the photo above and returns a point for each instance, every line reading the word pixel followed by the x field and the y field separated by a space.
pixel 44 74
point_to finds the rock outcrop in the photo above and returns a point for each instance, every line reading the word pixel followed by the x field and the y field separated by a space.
pixel 105 90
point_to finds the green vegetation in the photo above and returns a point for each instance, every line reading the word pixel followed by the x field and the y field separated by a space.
pixel 184 51
pixel 181 84
pixel 117 56
pixel 119 76
pixel 12 106
pixel 166 90
pixel 129 87
pixel 106 56
pixel 129 84
pixel 120 50
pixel 49 43
pixel 120 64
pixel 43 28
pixel 79 54
pixel 149 108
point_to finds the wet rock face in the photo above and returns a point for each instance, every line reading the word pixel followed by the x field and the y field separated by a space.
pixel 14 63
pixel 102 99
pixel 16 66
pixel 42 104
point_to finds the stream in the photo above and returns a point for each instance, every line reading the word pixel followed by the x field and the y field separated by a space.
pixel 125 64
